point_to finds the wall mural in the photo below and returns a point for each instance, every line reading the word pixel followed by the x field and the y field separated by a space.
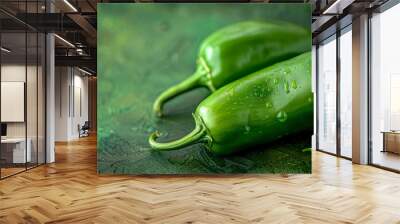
pixel 204 88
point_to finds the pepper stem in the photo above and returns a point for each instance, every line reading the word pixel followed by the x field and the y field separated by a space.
pixel 188 84
pixel 198 135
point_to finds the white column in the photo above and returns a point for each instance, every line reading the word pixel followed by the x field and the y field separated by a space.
pixel 50 92
pixel 50 100
pixel 360 90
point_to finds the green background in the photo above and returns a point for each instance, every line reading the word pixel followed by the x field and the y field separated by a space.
pixel 145 48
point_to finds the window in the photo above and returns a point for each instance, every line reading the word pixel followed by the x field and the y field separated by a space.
pixel 385 89
pixel 327 95
pixel 346 92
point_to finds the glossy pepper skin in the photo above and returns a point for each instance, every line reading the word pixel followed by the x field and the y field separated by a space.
pixel 257 109
pixel 238 50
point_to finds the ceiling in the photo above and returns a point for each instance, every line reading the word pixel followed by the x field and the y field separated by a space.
pixel 76 22
pixel 72 20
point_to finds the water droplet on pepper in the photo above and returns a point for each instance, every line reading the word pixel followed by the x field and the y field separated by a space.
pixel 293 84
pixel 287 88
pixel 282 116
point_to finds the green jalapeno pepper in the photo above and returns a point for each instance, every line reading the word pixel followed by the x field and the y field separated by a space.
pixel 238 50
pixel 256 109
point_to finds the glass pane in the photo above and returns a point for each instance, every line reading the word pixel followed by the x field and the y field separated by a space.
pixel 346 94
pixel 41 98
pixel 385 114
pixel 314 78
pixel 31 100
pixel 327 96
pixel 14 153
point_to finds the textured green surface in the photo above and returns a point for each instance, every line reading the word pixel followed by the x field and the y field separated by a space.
pixel 144 49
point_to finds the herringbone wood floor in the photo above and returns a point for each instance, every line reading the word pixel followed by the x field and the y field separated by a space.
pixel 70 191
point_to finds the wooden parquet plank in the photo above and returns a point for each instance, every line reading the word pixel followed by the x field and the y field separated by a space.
pixel 70 191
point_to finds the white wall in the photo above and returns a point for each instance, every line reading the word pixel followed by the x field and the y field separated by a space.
pixel 71 92
pixel 16 72
pixel 62 82
pixel 81 103
pixel 33 127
